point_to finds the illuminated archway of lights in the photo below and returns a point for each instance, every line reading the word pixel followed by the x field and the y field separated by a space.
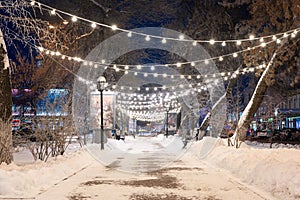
pixel 144 104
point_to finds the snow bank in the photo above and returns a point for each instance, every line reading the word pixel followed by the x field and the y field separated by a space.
pixel 274 170
pixel 28 180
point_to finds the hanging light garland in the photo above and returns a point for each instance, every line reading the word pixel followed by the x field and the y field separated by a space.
pixel 148 37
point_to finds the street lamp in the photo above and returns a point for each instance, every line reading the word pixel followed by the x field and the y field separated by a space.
pixel 101 85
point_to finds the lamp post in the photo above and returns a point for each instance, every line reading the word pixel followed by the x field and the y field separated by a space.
pixel 101 85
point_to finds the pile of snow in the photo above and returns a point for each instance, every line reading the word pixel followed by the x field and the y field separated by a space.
pixel 27 180
pixel 274 170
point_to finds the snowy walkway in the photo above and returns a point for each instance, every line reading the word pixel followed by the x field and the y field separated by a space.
pixel 156 168
pixel 179 181
pixel 185 178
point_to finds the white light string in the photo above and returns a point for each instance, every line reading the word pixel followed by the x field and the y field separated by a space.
pixel 94 24
pixel 136 68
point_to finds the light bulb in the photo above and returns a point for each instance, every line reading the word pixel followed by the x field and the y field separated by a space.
pixel 181 37
pixel 114 27
pixel 223 43
pixel 251 37
pixel 220 58
pixel 212 41
pixel 147 38
pixel 53 12
pixel 93 25
pixel 164 40
pixel 234 55
pixel 129 34
pixel 74 19
pixel 238 42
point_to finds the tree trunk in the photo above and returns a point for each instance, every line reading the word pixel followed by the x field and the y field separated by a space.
pixel 253 105
pixel 5 106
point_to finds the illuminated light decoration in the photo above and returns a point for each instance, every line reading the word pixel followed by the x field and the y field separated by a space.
pixel 93 25
pixel 46 7
pixel 145 74
pixel 122 87
pixel 155 74
pixel 221 58
pixel 74 19
pixel 117 69
pixel 65 22
pixel 139 67
pixel 198 76
pixel 274 38
pixel 130 88
pixel 261 39
pixel 234 55
pixel 91 63
pixel 164 41
pixel 278 41
pixel 285 35
pixel 69 58
pixel 103 61
pixel 223 74
pixel 152 68
pixel 126 72
pixel 135 73
pixel 189 77
pixel 57 53
pixel 295 31
pixel 226 55
pixel 53 12
pixel 63 57
pixel 206 62
pixel 263 44
pixel 172 76
pixel 223 43
pixel 51 26
pixel 32 3
pixel 182 76
pixel 155 88
pixel 147 38
pixel 178 64
pixel 194 43
pixel 114 27
pixel 181 86
pixel 52 53
pixel 212 41
pixel 126 67
pixel 293 35
pixel 147 89
pixel 115 66
pixel 193 64
pixel 41 49
pixel 165 75
pixel 238 42
pixel 251 37
pixel 96 66
pixel 129 34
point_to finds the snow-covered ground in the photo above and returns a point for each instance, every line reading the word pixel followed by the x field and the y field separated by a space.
pixel 275 170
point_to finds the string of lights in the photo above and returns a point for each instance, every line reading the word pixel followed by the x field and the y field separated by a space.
pixel 74 18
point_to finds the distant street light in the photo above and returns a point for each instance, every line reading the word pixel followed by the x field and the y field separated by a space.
pixel 101 85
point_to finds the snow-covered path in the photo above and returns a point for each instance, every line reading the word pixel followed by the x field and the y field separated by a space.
pixel 156 168
pixel 185 178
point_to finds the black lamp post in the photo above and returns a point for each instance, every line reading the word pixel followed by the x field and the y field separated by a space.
pixel 101 85
pixel 167 123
